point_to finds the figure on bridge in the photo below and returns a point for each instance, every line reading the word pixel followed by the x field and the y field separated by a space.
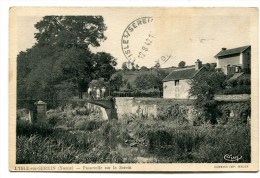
pixel 89 93
pixel 103 90
pixel 98 93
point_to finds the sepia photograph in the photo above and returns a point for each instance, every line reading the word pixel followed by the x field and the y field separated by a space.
pixel 133 89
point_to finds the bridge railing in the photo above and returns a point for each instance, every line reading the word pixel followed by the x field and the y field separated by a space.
pixel 155 94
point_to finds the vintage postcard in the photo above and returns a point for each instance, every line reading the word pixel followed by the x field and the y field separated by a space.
pixel 133 89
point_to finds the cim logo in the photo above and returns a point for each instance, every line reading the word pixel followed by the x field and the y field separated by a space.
pixel 230 157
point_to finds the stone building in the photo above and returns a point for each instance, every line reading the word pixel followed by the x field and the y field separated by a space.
pixel 235 60
pixel 176 84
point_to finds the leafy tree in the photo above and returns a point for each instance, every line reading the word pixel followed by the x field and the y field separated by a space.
pixel 144 81
pixel 207 65
pixel 67 31
pixel 151 80
pixel 144 68
pixel 124 66
pixel 181 64
pixel 61 61
pixel 98 83
pixel 35 72
pixel 127 66
pixel 133 65
pixel 116 81
pixel 157 65
pixel 203 87
pixel 211 66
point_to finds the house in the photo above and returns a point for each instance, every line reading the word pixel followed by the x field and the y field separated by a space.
pixel 176 84
pixel 235 60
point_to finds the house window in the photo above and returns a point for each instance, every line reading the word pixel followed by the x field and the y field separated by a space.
pixel 177 82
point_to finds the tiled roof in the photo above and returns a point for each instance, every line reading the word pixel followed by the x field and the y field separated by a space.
pixel 235 76
pixel 232 51
pixel 184 73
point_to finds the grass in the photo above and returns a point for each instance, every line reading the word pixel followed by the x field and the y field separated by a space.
pixel 203 144
pixel 73 138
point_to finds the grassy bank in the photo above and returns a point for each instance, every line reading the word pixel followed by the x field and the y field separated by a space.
pixel 81 139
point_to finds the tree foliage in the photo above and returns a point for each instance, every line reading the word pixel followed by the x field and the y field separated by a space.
pixel 61 62
pixel 129 65
pixel 181 64
pixel 98 83
pixel 116 81
pixel 67 31
pixel 211 66
pixel 151 80
pixel 203 87
pixel 124 66
pixel 157 65
pixel 144 68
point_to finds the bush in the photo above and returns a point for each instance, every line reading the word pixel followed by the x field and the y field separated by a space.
pixel 87 125
pixel 242 85
pixel 240 111
pixel 27 129
pixel 54 118
pixel 174 112
pixel 159 139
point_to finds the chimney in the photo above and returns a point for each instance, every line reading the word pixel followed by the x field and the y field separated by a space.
pixel 223 49
pixel 198 64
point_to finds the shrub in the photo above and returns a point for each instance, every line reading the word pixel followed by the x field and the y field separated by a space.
pixel 54 118
pixel 174 112
pixel 87 125
pixel 242 85
pixel 159 139
pixel 27 129
pixel 241 111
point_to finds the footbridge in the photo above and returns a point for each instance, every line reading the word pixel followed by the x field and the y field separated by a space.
pixel 107 104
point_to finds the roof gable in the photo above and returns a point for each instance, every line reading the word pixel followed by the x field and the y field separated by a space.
pixel 181 74
pixel 232 51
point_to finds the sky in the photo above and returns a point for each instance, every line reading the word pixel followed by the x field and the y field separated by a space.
pixel 178 34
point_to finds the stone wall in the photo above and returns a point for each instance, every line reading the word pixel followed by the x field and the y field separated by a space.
pixel 241 97
pixel 159 107
pixel 127 106
pixel 144 107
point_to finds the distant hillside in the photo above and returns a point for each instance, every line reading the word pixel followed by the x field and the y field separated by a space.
pixel 130 76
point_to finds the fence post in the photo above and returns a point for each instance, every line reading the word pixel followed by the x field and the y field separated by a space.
pixel 41 111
